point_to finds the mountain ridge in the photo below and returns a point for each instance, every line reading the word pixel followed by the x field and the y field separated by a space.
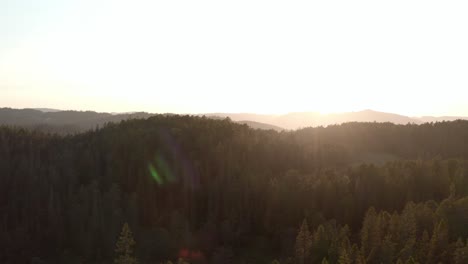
pixel 296 120
pixel 84 120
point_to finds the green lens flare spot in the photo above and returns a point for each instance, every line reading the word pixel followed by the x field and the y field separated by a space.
pixel 155 174
pixel 162 164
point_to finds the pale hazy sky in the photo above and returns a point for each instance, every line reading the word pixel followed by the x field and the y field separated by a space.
pixel 407 57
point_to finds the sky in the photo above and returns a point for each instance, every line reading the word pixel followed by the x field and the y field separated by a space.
pixel 406 57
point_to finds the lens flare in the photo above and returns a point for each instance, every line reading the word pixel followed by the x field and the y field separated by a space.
pixel 166 171
pixel 155 174
pixel 170 164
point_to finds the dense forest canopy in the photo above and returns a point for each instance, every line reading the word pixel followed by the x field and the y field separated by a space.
pixel 213 191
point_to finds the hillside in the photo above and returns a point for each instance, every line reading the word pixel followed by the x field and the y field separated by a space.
pixel 66 122
pixel 78 121
pixel 232 194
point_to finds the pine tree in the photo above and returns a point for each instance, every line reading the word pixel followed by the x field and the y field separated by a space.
pixel 321 243
pixel 423 247
pixel 360 259
pixel 411 261
pixel 367 231
pixel 344 257
pixel 408 226
pixel 124 247
pixel 303 243
pixel 394 227
pixel 408 249
pixel 439 243
pixel 355 251
pixel 387 250
pixel 461 252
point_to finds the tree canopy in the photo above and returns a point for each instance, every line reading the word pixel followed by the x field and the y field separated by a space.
pixel 210 191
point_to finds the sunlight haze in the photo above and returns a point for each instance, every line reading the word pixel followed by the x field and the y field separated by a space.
pixel 405 57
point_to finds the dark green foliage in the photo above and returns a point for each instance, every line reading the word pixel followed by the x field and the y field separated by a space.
pixel 227 193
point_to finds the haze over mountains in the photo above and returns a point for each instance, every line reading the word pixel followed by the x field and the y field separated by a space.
pixel 312 119
pixel 73 121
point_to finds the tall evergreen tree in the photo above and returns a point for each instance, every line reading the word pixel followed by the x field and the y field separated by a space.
pixel 303 243
pixel 461 252
pixel 439 243
pixel 345 257
pixel 321 243
pixel 423 247
pixel 124 247
pixel 387 251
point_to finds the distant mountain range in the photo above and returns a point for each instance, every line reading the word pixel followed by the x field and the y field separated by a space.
pixel 76 121
pixel 312 119
pixel 58 121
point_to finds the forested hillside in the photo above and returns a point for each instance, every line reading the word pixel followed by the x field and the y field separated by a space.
pixel 200 190
pixel 72 122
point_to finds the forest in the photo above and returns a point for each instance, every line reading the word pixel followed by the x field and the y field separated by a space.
pixel 191 189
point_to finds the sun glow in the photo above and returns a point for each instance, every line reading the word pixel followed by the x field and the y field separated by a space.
pixel 245 56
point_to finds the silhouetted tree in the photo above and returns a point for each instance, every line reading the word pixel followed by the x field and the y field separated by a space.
pixel 303 243
pixel 124 247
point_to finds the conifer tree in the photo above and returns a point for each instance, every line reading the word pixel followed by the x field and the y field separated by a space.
pixel 303 243
pixel 345 252
pixel 461 252
pixel 124 247
pixel 360 259
pixel 394 227
pixel 408 226
pixel 367 231
pixel 408 249
pixel 411 261
pixel 423 247
pixel 344 257
pixel 321 243
pixel 355 251
pixel 387 250
pixel 438 244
